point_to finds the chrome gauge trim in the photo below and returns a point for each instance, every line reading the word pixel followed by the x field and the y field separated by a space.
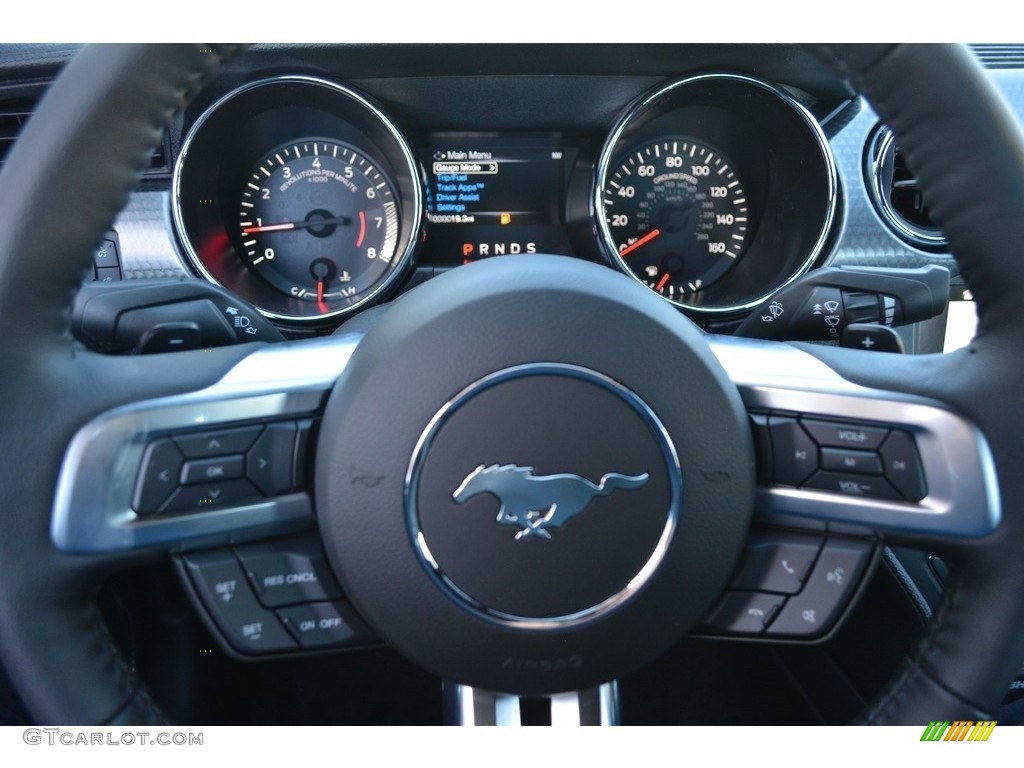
pixel 609 604
pixel 963 491
pixel 89 515
pixel 411 167
pixel 637 112
pixel 882 143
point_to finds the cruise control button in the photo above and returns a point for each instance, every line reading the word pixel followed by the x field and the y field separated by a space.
pixel 794 454
pixel 903 467
pixel 834 578
pixel 269 461
pixel 223 588
pixel 212 470
pixel 838 435
pixel 326 624
pixel 745 613
pixel 772 564
pixel 289 572
pixel 200 445
pixel 209 495
pixel 161 466
pixel 864 486
pixel 848 460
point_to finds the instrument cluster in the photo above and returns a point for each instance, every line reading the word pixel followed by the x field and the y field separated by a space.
pixel 302 196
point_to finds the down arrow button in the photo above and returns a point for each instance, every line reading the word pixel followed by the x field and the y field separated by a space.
pixel 269 461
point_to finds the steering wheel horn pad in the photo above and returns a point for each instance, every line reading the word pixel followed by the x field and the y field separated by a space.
pixel 542 375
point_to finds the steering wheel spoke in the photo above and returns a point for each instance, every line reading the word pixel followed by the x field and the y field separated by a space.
pixel 834 454
pixel 465 705
pixel 201 468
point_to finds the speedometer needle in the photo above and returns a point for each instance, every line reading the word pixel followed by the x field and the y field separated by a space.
pixel 296 225
pixel 642 241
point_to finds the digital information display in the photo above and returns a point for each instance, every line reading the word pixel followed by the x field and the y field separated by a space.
pixel 494 196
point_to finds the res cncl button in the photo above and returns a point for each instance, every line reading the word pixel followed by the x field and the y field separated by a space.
pixel 298 574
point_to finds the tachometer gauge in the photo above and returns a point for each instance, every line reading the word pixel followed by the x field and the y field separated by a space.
pixel 317 220
pixel 299 196
pixel 676 212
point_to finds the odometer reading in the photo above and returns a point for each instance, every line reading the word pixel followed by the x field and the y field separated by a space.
pixel 319 223
pixel 676 215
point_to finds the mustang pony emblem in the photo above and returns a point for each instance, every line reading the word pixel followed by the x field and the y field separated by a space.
pixel 536 503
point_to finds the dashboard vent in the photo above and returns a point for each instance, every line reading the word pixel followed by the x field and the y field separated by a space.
pixel 896 196
pixel 12 117
pixel 15 113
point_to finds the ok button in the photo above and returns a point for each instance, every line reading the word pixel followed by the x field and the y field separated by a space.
pixel 213 470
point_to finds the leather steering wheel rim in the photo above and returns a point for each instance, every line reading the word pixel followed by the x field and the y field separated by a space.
pixel 81 156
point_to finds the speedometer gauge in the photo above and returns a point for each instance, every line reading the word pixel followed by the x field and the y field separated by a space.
pixel 714 191
pixel 318 222
pixel 677 214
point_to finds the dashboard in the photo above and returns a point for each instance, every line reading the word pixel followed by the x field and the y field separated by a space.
pixel 317 182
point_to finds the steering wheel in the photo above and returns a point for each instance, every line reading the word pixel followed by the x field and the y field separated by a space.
pixel 498 345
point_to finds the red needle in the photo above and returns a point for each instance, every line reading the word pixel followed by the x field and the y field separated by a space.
pixel 320 291
pixel 311 222
pixel 269 228
pixel 663 282
pixel 642 241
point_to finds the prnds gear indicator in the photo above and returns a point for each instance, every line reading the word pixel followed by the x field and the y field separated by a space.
pixel 677 214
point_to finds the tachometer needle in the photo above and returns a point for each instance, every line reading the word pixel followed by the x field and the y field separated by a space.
pixel 642 241
pixel 285 225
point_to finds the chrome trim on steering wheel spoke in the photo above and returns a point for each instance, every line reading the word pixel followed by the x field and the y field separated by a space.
pixel 962 500
pixel 465 705
pixel 275 382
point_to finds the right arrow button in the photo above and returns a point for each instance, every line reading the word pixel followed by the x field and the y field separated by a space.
pixel 269 461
